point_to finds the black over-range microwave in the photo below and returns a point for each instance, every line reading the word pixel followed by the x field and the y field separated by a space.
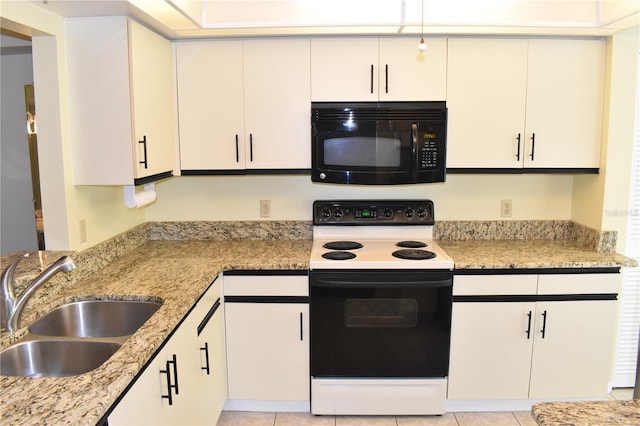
pixel 378 143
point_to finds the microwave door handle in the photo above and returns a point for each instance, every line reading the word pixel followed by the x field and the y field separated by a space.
pixel 414 150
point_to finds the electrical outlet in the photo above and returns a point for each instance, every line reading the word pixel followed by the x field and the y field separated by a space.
pixel 506 208
pixel 83 230
pixel 265 208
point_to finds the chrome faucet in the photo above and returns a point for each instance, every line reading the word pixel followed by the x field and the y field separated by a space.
pixel 13 306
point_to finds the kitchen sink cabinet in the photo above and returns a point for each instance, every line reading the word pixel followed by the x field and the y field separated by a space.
pixel 373 69
pixel 243 105
pixel 120 102
pixel 198 394
pixel 529 105
pixel 551 336
pixel 267 332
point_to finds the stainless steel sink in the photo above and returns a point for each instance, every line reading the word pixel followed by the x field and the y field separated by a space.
pixel 95 318
pixel 54 358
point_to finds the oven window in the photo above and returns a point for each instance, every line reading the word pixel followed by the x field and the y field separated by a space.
pixel 362 151
pixel 381 313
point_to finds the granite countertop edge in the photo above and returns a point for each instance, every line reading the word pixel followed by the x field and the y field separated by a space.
pixel 587 413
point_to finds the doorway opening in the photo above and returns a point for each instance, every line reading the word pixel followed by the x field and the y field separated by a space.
pixel 32 134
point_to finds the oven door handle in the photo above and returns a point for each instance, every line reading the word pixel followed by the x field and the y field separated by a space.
pixel 379 284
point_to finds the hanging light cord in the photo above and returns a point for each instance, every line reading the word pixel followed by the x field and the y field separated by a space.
pixel 422 45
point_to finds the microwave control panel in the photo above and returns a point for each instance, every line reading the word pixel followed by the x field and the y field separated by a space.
pixel 428 151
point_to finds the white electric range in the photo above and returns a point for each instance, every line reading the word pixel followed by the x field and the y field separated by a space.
pixel 380 303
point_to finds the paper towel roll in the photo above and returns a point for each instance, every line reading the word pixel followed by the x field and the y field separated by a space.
pixel 133 199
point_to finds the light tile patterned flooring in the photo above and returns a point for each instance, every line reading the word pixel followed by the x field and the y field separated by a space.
pixel 518 418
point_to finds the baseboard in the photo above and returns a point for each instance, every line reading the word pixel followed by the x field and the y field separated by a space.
pixel 269 406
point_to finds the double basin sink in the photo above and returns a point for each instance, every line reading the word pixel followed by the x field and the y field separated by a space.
pixel 75 338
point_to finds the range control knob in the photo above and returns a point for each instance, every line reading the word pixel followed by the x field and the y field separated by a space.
pixel 325 213
pixel 409 213
pixel 387 213
pixel 421 213
pixel 338 213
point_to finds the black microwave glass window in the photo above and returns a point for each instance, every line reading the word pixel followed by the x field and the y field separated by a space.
pixel 362 151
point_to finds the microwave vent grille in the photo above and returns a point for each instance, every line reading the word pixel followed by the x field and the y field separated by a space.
pixel 373 114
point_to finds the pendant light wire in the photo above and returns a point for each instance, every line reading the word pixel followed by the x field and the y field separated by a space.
pixel 422 46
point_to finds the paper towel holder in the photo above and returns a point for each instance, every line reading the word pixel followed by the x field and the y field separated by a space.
pixel 140 199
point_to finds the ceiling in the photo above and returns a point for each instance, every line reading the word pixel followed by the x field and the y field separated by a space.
pixel 212 18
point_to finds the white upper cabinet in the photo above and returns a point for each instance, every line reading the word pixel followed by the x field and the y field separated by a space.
pixel 277 104
pixel 486 89
pixel 210 104
pixel 565 90
pixel 534 104
pixel 120 101
pixel 244 104
pixel 372 69
pixel 406 74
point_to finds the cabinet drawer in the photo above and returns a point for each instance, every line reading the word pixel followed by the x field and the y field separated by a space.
pixel 483 285
pixel 266 285
pixel 579 284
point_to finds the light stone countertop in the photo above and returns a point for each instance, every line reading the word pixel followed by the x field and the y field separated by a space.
pixel 178 272
pixel 524 254
pixel 587 413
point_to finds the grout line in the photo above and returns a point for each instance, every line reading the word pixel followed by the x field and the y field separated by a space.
pixel 516 417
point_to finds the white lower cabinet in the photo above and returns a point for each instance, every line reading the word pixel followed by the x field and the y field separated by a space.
pixel 185 383
pixel 553 337
pixel 267 332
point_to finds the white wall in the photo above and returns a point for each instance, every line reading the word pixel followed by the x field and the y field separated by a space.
pixel 461 197
pixel 602 201
pixel 18 226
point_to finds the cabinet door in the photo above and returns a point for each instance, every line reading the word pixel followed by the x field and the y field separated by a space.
pixel 344 69
pixel 574 357
pixel 406 74
pixel 210 105
pixel 277 104
pixel 565 90
pixel 149 388
pixel 199 396
pixel 268 351
pixel 212 374
pixel 151 63
pixel 99 101
pixel 486 95
pixel 490 350
pixel 120 90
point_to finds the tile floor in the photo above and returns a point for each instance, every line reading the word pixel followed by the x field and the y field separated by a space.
pixel 518 418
